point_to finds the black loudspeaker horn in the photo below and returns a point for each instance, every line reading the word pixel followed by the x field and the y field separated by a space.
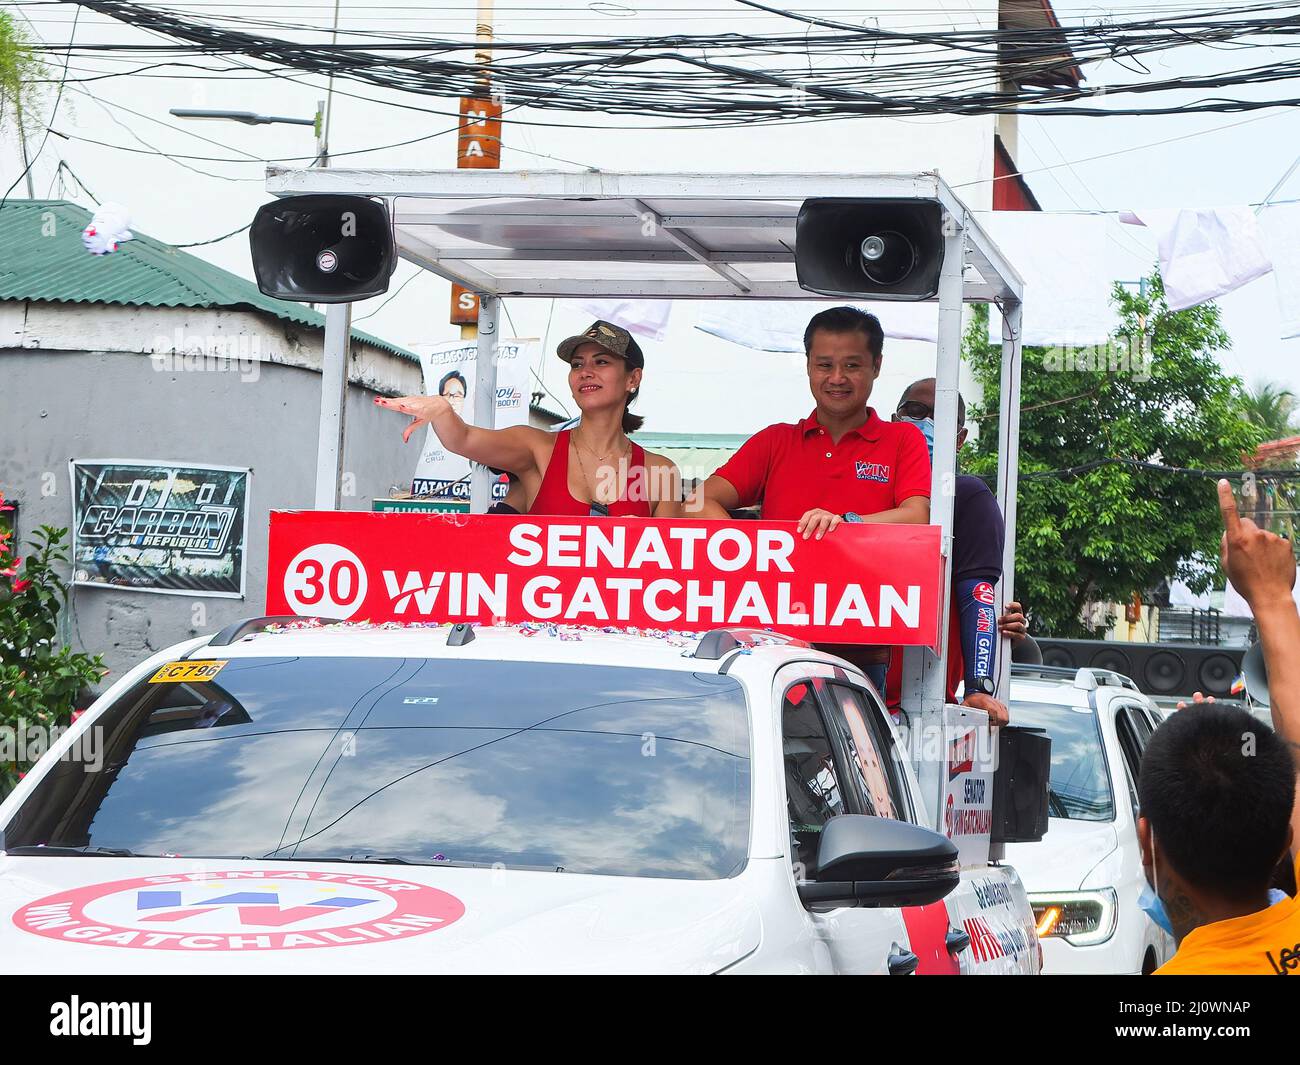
pixel 1256 671
pixel 1156 668
pixel 1020 785
pixel 882 249
pixel 323 249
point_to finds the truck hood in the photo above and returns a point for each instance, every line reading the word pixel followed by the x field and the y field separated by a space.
pixel 148 915
pixel 1065 856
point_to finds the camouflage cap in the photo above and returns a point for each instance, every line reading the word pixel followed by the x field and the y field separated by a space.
pixel 614 339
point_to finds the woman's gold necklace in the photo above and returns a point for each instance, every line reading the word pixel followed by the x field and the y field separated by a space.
pixel 586 476
pixel 598 458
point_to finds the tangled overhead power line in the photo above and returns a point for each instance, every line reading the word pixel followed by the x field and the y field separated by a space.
pixel 826 69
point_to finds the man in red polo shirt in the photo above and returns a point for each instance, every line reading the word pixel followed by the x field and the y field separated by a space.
pixel 842 462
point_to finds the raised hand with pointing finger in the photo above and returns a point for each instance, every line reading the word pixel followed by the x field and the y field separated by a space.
pixel 1260 564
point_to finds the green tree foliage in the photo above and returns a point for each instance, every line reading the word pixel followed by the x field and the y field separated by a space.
pixel 21 76
pixel 1157 394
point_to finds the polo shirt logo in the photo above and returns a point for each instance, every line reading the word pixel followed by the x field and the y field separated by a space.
pixel 872 471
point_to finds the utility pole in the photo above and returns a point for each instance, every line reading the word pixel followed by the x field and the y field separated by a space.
pixel 325 107
pixel 1142 318
pixel 22 142
pixel 478 147
pixel 322 133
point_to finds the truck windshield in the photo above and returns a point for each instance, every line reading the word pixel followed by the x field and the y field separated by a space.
pixel 1079 787
pixel 586 769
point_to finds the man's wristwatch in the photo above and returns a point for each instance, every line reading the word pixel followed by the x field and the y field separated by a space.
pixel 983 685
pixel 852 517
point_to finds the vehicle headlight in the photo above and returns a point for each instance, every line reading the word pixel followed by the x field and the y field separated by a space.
pixel 1081 918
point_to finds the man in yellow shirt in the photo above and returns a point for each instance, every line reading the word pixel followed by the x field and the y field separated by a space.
pixel 1218 791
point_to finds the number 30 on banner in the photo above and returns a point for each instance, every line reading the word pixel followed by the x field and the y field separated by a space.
pixel 325 580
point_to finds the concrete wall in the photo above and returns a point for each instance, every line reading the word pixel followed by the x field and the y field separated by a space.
pixel 56 405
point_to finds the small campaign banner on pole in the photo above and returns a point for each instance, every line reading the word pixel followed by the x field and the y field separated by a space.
pixel 872 584
pixel 449 372
pixel 175 528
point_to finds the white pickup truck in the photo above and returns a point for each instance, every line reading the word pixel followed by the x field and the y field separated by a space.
pixel 522 799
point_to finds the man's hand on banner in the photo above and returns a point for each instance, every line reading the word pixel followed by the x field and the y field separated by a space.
pixel 818 523
pixel 995 708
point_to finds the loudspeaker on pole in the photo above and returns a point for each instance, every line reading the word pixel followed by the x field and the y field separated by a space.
pixel 878 248
pixel 323 248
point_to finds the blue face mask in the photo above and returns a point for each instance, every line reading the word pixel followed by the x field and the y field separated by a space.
pixel 1153 906
pixel 926 425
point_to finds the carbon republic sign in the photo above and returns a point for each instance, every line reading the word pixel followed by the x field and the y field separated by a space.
pixel 160 527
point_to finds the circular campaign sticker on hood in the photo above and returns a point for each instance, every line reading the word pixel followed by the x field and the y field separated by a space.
pixel 241 910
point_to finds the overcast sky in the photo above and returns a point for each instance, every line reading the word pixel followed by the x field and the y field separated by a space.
pixel 1072 163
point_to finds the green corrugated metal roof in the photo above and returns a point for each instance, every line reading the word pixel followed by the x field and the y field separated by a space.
pixel 707 441
pixel 37 264
pixel 698 455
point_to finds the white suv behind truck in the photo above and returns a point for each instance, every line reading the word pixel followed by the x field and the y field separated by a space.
pixel 1085 876
pixel 434 799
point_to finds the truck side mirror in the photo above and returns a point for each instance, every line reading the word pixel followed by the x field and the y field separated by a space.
pixel 876 861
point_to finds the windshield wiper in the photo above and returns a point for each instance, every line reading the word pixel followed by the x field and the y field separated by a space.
pixel 1054 803
pixel 388 859
pixel 79 852
pixel 361 859
pixel 399 859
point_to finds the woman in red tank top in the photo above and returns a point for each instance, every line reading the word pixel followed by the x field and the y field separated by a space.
pixel 588 470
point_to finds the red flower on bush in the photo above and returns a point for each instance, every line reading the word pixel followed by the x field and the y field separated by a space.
pixel 40 678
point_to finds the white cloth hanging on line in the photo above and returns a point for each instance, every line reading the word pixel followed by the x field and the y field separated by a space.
pixel 778 326
pixel 1063 261
pixel 1204 251
pixel 1281 229
pixel 647 318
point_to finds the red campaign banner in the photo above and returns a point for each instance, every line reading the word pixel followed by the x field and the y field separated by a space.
pixel 871 584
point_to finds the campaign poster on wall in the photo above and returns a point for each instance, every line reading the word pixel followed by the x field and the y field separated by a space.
pixel 175 528
pixel 449 372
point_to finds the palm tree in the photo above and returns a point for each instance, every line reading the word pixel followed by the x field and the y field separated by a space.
pixel 1272 408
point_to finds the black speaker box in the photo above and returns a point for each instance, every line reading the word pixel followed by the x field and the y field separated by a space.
pixel 878 248
pixel 323 249
pixel 1020 785
pixel 1156 668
